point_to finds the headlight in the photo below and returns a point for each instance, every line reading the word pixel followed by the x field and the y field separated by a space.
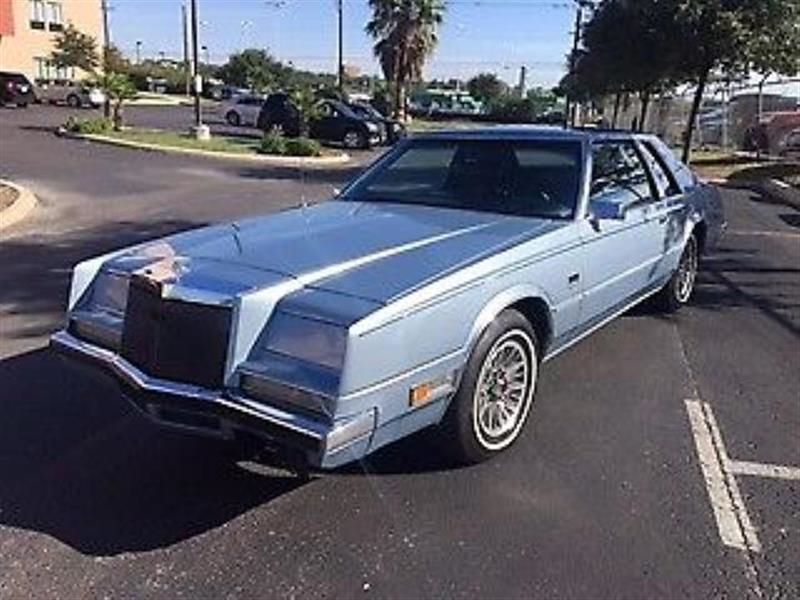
pixel 373 127
pixel 311 341
pixel 283 396
pixel 109 293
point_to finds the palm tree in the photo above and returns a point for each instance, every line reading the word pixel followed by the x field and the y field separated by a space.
pixel 406 35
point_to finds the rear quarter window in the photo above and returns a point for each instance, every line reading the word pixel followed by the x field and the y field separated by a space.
pixel 683 175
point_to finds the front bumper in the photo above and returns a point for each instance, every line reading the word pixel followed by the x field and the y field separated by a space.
pixel 222 413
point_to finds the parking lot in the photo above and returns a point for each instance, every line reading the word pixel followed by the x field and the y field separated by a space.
pixel 660 461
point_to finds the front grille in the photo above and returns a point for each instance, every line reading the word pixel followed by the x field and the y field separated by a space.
pixel 175 340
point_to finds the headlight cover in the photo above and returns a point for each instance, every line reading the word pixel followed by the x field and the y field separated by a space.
pixel 373 127
pixel 109 293
pixel 312 341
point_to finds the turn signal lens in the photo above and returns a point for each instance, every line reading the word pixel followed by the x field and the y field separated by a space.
pixel 429 391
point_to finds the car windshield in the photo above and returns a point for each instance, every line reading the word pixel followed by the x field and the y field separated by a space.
pixel 362 110
pixel 528 178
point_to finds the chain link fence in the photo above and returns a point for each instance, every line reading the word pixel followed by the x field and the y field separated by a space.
pixel 731 117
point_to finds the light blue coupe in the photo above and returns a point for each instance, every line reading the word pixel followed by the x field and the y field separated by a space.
pixel 429 292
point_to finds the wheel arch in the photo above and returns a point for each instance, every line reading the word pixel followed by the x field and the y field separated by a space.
pixel 528 300
pixel 700 230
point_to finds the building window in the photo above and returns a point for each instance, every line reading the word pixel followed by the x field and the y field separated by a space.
pixel 42 68
pixel 55 16
pixel 37 14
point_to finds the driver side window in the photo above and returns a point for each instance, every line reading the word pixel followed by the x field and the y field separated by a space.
pixel 617 171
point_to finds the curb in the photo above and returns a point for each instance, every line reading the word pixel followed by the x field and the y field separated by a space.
pixel 20 208
pixel 781 190
pixel 277 161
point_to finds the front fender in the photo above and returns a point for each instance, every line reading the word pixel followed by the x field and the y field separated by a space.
pixel 502 301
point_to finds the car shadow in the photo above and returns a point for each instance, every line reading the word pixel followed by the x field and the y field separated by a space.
pixel 78 465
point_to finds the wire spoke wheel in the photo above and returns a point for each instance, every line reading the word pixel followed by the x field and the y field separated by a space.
pixel 687 272
pixel 503 390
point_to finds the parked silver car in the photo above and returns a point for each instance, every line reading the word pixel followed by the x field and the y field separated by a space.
pixel 430 292
pixel 72 93
pixel 242 110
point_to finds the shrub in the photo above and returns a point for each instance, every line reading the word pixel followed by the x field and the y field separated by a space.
pixel 276 144
pixel 303 147
pixel 88 126
pixel 273 142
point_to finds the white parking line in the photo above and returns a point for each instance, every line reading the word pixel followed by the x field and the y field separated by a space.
pixel 758 233
pixel 744 467
pixel 733 522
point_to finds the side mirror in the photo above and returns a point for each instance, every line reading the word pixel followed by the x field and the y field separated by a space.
pixel 600 210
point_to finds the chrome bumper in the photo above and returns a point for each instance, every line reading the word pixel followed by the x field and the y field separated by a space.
pixel 221 413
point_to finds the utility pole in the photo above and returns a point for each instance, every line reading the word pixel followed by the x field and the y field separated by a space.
pixel 106 33
pixel 201 131
pixel 570 110
pixel 187 70
pixel 523 81
pixel 340 70
pixel 106 42
pixel 138 52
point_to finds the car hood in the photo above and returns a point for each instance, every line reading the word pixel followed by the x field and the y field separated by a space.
pixel 376 251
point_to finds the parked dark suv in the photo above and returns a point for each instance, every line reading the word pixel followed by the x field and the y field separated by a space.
pixel 15 89
pixel 279 112
pixel 393 129
pixel 334 122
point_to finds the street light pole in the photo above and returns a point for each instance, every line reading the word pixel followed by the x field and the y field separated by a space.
pixel 340 70
pixel 106 42
pixel 138 52
pixel 201 131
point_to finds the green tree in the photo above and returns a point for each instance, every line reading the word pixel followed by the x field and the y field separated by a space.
pixel 487 87
pixel 74 48
pixel 733 37
pixel 113 60
pixel 406 35
pixel 254 68
pixel 627 48
pixel 118 88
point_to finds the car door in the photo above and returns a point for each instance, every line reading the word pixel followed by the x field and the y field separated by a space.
pixel 669 211
pixel 620 242
pixel 325 125
pixel 249 109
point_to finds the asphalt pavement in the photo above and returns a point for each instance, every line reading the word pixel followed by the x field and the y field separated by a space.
pixel 604 495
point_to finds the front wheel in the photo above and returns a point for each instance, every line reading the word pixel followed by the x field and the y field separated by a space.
pixel 233 118
pixel 492 403
pixel 679 288
pixel 354 139
pixel 73 101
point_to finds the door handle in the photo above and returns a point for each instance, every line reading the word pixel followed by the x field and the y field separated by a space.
pixel 663 219
pixel 573 278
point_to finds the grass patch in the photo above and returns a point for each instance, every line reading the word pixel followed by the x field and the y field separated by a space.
pixel 8 196
pixel 721 165
pixel 420 124
pixel 174 139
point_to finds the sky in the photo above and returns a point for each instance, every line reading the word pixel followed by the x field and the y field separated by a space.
pixel 478 35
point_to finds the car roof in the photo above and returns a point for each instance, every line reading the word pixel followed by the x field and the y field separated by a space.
pixel 530 132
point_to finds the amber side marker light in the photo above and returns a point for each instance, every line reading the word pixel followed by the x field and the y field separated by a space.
pixel 429 391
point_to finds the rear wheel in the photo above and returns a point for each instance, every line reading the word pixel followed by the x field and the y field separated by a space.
pixel 679 288
pixel 73 101
pixel 492 403
pixel 354 139
pixel 233 118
